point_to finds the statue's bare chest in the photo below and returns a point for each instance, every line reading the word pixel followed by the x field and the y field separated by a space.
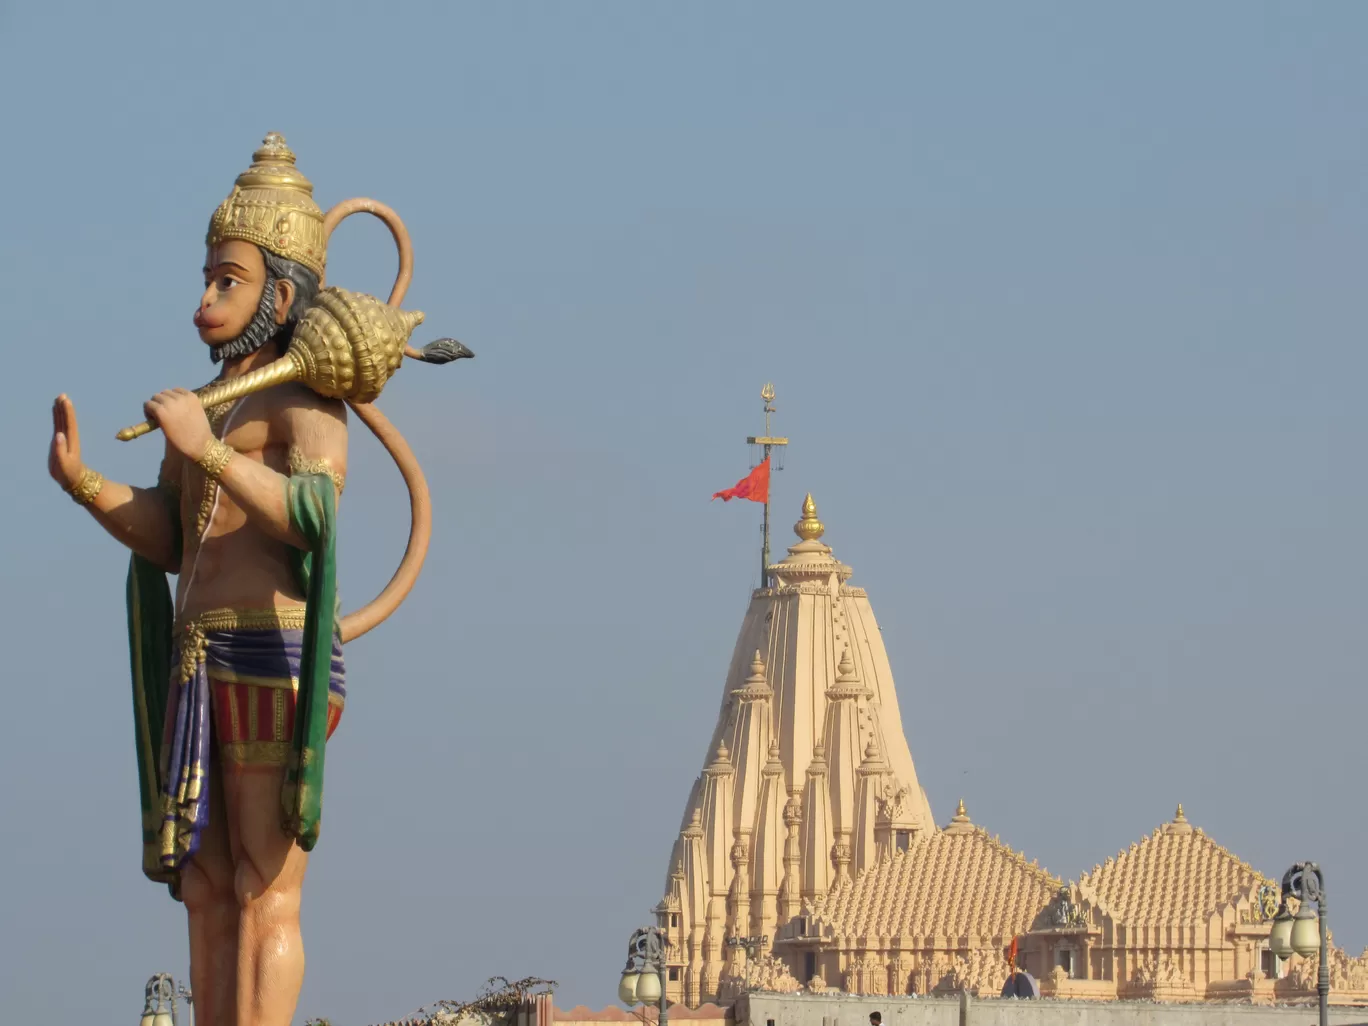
pixel 246 425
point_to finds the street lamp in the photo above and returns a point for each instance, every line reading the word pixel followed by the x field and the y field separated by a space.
pixel 643 978
pixel 1305 933
pixel 750 944
pixel 160 997
pixel 159 1006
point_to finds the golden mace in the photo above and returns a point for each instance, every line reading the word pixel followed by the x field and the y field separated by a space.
pixel 347 346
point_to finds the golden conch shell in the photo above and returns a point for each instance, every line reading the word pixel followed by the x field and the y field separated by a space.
pixel 346 346
pixel 349 345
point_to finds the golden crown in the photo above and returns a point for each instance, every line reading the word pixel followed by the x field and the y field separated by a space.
pixel 272 206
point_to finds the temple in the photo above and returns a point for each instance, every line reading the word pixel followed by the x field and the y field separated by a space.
pixel 808 827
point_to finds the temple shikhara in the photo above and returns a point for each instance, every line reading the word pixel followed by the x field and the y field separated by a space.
pixel 808 826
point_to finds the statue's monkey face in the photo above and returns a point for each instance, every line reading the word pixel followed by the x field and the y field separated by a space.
pixel 235 278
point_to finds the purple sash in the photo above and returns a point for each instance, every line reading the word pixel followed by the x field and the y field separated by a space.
pixel 186 748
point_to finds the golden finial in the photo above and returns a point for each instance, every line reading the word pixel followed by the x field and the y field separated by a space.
pixel 767 393
pixel 1180 825
pixel 960 824
pixel 809 528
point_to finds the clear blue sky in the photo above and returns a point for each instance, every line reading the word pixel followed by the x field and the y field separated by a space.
pixel 1065 307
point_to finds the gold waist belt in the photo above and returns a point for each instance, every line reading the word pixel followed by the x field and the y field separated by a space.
pixel 190 633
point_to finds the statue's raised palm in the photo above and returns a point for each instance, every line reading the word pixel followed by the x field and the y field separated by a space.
pixel 64 458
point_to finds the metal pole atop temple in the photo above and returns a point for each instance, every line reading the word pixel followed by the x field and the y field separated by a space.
pixel 768 444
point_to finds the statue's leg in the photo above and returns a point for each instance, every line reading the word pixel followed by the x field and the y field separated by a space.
pixel 267 880
pixel 212 911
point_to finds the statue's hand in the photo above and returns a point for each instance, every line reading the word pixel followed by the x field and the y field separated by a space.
pixel 64 457
pixel 180 415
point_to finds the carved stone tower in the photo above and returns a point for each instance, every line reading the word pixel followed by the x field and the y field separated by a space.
pixel 807 779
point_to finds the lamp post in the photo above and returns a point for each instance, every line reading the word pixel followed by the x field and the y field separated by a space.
pixel 749 944
pixel 159 1006
pixel 643 979
pixel 183 992
pixel 1305 933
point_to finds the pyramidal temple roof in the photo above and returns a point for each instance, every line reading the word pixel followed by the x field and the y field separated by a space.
pixel 956 882
pixel 807 778
pixel 1175 875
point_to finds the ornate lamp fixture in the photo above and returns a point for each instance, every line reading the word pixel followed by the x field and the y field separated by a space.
pixel 159 1006
pixel 1305 933
pixel 643 978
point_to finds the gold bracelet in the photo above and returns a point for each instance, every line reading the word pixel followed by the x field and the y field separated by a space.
pixel 87 486
pixel 216 457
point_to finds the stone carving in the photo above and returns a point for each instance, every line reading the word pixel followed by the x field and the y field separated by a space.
pixel 892 803
pixel 900 974
pixel 1345 973
pixel 1267 902
pixel 1160 972
pixel 1066 914
pixel 981 972
pixel 867 975
pixel 801 588
pixel 1263 906
pixel 1303 972
pixel 772 974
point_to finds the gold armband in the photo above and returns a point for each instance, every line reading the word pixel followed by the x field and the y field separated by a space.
pixel 301 464
pixel 87 486
pixel 216 457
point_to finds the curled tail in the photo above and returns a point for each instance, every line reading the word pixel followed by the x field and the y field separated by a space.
pixel 380 608
pixel 444 350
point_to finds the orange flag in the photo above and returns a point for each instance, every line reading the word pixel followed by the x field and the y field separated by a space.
pixel 1012 955
pixel 754 486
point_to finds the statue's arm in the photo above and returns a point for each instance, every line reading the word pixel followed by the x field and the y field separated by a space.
pixel 315 435
pixel 144 519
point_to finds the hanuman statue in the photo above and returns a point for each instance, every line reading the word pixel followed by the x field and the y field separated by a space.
pixel 238 683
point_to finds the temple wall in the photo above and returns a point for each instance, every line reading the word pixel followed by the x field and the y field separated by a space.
pixel 613 1015
pixel 846 1010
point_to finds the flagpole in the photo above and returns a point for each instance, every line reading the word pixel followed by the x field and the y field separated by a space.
pixel 768 443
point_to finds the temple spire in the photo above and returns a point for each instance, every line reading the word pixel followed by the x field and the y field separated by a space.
pixel 807 778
